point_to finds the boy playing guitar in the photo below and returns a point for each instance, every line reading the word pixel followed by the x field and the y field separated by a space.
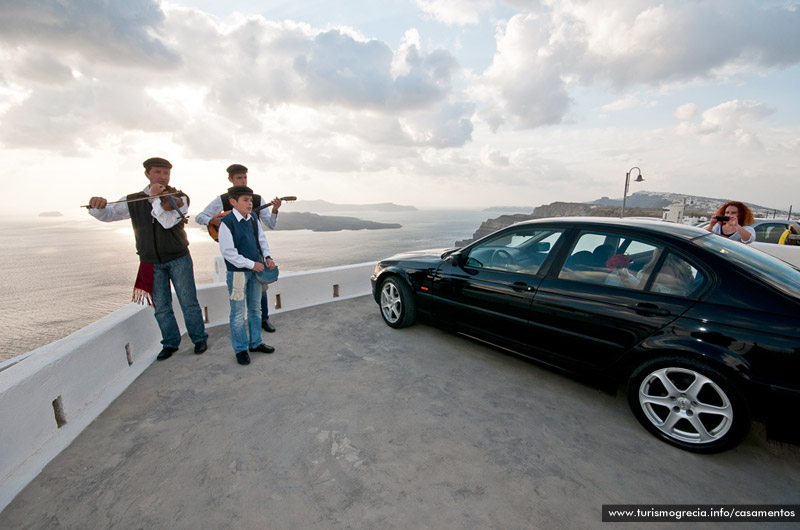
pixel 220 206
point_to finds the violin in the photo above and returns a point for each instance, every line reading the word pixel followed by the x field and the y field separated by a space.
pixel 170 200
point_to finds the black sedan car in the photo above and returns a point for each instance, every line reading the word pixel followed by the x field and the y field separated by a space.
pixel 704 332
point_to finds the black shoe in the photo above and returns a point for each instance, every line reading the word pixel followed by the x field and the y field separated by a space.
pixel 166 353
pixel 200 347
pixel 266 326
pixel 242 357
pixel 263 348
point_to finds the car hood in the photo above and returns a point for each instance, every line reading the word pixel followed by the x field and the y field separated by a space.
pixel 433 255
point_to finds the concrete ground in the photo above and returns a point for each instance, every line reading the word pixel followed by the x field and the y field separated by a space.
pixel 354 425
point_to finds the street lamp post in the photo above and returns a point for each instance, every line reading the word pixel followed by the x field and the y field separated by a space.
pixel 627 184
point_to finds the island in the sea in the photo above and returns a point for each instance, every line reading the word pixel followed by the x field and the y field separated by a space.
pixel 304 215
pixel 51 214
pixel 308 220
pixel 327 223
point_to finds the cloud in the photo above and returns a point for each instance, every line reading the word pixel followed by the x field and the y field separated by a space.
pixel 455 12
pixel 341 70
pixel 83 84
pixel 686 112
pixel 630 101
pixel 728 120
pixel 543 55
pixel 98 30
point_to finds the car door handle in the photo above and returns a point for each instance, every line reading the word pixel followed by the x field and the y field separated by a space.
pixel 521 286
pixel 649 310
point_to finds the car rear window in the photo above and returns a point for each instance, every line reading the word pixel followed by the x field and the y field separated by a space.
pixel 773 271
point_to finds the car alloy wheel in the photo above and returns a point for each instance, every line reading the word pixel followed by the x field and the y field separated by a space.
pixel 688 404
pixel 397 303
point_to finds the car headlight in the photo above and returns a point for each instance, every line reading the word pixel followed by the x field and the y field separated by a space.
pixel 378 269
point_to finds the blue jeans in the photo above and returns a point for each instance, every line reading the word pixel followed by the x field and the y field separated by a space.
pixel 181 272
pixel 249 334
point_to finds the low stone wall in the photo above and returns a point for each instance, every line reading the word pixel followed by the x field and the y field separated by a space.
pixel 49 395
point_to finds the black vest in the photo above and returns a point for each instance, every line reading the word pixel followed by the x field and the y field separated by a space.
pixel 154 243
pixel 245 239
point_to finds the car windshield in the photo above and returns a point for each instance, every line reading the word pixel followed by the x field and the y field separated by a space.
pixel 777 273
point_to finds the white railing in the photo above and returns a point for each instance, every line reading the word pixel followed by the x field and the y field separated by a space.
pixel 49 395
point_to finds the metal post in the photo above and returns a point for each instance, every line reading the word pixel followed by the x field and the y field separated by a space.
pixel 627 184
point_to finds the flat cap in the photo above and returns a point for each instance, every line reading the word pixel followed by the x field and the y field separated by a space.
pixel 158 162
pixel 236 191
pixel 236 168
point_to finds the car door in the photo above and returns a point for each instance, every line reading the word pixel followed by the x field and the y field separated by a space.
pixel 608 295
pixel 488 288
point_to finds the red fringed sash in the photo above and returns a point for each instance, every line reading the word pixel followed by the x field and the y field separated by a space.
pixel 143 288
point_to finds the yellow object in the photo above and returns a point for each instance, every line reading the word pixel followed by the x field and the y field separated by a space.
pixel 786 237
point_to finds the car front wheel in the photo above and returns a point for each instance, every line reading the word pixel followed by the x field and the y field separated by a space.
pixel 689 404
pixel 397 303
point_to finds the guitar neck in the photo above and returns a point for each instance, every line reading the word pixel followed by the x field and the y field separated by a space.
pixel 288 198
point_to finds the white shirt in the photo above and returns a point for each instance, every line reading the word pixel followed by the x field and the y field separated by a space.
pixel 119 211
pixel 735 236
pixel 229 251
pixel 215 207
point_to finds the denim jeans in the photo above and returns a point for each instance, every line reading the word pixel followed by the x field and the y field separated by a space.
pixel 180 272
pixel 249 334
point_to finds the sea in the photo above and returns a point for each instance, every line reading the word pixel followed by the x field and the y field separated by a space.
pixel 63 273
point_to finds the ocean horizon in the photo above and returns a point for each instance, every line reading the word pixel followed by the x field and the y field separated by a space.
pixel 63 273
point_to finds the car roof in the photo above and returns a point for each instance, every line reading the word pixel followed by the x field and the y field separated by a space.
pixel 762 220
pixel 654 225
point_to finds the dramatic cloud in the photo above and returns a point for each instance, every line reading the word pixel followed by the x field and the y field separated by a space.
pixel 542 56
pixel 519 98
pixel 98 30
pixel 82 82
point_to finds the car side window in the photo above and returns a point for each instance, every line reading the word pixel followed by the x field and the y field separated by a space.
pixel 610 259
pixel 770 232
pixel 523 250
pixel 678 277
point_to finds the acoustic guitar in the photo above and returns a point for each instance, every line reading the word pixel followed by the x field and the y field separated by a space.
pixel 213 231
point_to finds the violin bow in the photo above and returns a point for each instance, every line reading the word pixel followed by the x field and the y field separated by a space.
pixel 164 195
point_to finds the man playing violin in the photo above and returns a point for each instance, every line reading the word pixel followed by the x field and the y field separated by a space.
pixel 237 175
pixel 163 250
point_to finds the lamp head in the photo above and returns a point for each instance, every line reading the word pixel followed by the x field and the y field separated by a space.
pixel 639 178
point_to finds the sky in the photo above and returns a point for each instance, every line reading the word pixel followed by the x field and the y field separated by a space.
pixel 430 103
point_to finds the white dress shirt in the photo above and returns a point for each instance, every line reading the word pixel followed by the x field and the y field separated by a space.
pixel 119 211
pixel 230 253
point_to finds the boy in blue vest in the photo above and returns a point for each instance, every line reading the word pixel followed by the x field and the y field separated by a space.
pixel 246 252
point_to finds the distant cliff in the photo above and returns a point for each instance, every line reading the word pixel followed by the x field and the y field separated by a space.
pixel 327 223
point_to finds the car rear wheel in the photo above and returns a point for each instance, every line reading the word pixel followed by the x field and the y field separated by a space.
pixel 689 404
pixel 397 303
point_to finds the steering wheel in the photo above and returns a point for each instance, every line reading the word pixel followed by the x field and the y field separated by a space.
pixel 501 258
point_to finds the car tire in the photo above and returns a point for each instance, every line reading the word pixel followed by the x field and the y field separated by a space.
pixel 398 307
pixel 689 404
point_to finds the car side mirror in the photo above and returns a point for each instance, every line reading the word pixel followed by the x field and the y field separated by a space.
pixel 543 247
pixel 455 259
